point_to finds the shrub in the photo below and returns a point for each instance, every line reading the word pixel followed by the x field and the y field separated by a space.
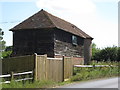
pixel 107 54
pixel 118 54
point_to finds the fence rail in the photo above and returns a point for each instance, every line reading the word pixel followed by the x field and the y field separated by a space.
pixel 41 66
pixel 16 74
pixel 94 66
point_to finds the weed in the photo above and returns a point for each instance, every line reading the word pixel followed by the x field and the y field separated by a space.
pixel 86 73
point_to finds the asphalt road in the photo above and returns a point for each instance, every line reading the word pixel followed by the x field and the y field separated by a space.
pixel 101 83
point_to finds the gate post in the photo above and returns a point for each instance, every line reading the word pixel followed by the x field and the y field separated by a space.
pixel 63 66
pixel 35 67
pixel 12 76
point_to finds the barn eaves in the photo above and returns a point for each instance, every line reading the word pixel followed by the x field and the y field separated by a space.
pixel 43 19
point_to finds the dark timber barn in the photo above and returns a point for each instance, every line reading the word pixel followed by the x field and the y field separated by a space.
pixel 44 33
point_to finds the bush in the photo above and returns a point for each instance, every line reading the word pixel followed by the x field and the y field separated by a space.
pixel 106 54
pixel 95 52
pixel 118 54
pixel 7 52
pixel 109 54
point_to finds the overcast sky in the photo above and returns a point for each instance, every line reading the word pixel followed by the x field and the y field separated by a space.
pixel 98 18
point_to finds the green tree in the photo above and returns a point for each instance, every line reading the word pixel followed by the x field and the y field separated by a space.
pixel 118 54
pixel 109 54
pixel 2 43
pixel 106 54
pixel 4 50
pixel 95 51
pixel 7 52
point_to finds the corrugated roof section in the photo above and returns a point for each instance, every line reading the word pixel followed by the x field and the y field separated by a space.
pixel 43 19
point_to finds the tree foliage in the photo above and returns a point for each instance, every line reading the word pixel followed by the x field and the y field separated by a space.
pixel 118 57
pixel 106 54
pixel 4 50
pixel 7 52
pixel 2 42
pixel 95 51
pixel 109 54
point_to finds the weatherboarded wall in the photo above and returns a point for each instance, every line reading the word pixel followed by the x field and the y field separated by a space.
pixel 28 42
pixel 46 41
pixel 63 45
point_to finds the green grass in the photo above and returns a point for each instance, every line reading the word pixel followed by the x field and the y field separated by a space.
pixel 81 74
pixel 105 63
pixel 27 84
pixel 36 84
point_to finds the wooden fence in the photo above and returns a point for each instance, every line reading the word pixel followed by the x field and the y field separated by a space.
pixel 13 75
pixel 44 68
pixel 56 69
pixel 91 66
pixel 18 64
pixel 68 67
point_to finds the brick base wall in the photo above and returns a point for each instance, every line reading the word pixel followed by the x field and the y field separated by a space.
pixel 76 60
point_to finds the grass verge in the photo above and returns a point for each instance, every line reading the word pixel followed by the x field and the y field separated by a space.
pixel 87 73
pixel 27 84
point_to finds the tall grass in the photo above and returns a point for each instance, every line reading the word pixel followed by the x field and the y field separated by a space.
pixel 27 84
pixel 116 63
pixel 88 73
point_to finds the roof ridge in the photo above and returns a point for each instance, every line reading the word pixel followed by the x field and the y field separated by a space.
pixel 57 17
pixel 46 14
pixel 62 20
pixel 44 19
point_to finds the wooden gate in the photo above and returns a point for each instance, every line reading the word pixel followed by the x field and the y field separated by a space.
pixel 54 69
pixel 68 67
pixel 49 68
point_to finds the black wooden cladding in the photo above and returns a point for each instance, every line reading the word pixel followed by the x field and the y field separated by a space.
pixel 30 41
pixel 49 41
pixel 44 33
pixel 63 44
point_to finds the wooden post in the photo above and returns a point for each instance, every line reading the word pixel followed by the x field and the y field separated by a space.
pixel 94 66
pixel 72 65
pixel 63 66
pixel 46 73
pixel 35 67
pixel 12 76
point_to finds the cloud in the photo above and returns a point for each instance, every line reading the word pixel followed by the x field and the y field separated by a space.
pixel 84 14
pixel 18 0
pixel 83 6
pixel 106 0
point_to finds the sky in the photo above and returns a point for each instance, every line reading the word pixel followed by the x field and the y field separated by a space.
pixel 98 18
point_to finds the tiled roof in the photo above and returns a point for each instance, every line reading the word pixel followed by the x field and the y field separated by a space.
pixel 43 19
